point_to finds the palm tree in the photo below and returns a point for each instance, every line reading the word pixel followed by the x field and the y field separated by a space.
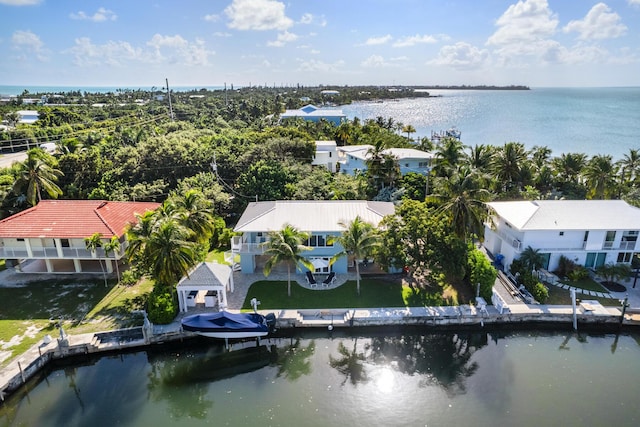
pixel 113 245
pixel 569 166
pixel 600 174
pixel 531 258
pixel 480 157
pixel 35 175
pixel 285 246
pixel 92 244
pixel 630 164
pixel 463 197
pixel 359 240
pixel 507 165
pixel 139 234
pixel 408 129
pixel 195 212
pixel 168 252
pixel 448 154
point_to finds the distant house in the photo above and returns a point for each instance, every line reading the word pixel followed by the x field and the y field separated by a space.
pixel 315 114
pixel 28 116
pixel 588 232
pixel 51 235
pixel 326 155
pixel 319 218
pixel 353 158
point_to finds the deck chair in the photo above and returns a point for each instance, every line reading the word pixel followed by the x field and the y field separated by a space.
pixel 330 280
pixel 311 280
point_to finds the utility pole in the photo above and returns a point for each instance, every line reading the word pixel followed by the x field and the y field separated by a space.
pixel 169 96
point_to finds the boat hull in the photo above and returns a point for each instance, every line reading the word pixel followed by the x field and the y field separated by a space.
pixel 226 325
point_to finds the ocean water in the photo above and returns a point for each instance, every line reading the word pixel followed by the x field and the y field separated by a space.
pixel 586 120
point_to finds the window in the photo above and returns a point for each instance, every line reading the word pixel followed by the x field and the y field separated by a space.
pixel 625 256
pixel 313 241
pixel 586 236
pixel 561 233
pixel 321 240
pixel 20 239
pixel 65 243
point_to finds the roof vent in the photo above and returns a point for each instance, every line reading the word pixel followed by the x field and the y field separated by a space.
pixel 103 204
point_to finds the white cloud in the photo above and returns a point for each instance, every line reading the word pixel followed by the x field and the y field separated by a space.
pixel 101 15
pixel 159 49
pixel 600 23
pixel 634 2
pixel 283 38
pixel 372 41
pixel 461 56
pixel 221 34
pixel 307 18
pixel 320 66
pixel 211 18
pixel 377 61
pixel 257 15
pixel 20 2
pixel 524 22
pixel 414 40
pixel 26 43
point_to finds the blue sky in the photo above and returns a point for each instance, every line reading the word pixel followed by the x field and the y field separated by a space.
pixel 311 42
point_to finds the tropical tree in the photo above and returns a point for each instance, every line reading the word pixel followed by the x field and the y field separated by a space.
pixel 168 252
pixel 507 165
pixel 600 176
pixel 359 239
pixel 531 258
pixel 195 212
pixel 449 153
pixel 630 166
pixel 113 246
pixel 463 198
pixel 408 129
pixel 286 246
pixel 92 244
pixel 36 175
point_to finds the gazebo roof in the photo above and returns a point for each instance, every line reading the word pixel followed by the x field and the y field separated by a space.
pixel 206 275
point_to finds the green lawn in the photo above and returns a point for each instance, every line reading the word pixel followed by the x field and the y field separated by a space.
pixel 587 284
pixel 559 296
pixel 373 293
pixel 30 311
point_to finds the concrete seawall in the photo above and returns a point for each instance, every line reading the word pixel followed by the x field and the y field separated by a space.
pixel 589 315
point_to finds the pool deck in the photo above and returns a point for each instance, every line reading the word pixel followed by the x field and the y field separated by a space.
pixel 589 314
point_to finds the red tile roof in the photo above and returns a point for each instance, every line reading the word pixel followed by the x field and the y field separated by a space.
pixel 69 219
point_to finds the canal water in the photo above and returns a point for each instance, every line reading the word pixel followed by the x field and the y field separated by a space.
pixel 392 378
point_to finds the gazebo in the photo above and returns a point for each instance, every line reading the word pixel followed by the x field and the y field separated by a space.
pixel 208 282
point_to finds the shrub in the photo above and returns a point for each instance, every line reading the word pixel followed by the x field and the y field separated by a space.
pixel 162 305
pixel 481 271
pixel 540 292
pixel 578 273
pixel 129 278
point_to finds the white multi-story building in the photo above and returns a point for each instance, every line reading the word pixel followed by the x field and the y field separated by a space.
pixel 588 232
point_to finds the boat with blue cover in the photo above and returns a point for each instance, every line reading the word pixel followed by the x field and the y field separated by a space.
pixel 229 325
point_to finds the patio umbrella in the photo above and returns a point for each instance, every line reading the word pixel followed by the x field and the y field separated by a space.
pixel 319 263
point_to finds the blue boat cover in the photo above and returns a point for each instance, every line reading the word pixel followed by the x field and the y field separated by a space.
pixel 224 322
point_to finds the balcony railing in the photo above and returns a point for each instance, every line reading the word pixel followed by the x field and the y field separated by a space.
pixel 70 253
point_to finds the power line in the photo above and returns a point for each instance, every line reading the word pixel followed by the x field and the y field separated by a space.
pixel 214 168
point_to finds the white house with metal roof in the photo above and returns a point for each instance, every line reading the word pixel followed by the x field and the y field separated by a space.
pixel 354 158
pixel 589 232
pixel 320 218
pixel 326 155
pixel 315 114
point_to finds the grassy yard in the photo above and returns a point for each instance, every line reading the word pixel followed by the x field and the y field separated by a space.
pixel 559 296
pixel 33 310
pixel 587 284
pixel 373 293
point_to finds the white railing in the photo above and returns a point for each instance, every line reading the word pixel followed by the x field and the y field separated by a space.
pixel 70 253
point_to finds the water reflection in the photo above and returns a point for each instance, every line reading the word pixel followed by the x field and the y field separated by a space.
pixel 441 360
pixel 350 363
pixel 294 359
pixel 350 378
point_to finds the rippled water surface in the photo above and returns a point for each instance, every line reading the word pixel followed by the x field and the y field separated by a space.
pixel 591 121
pixel 392 379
